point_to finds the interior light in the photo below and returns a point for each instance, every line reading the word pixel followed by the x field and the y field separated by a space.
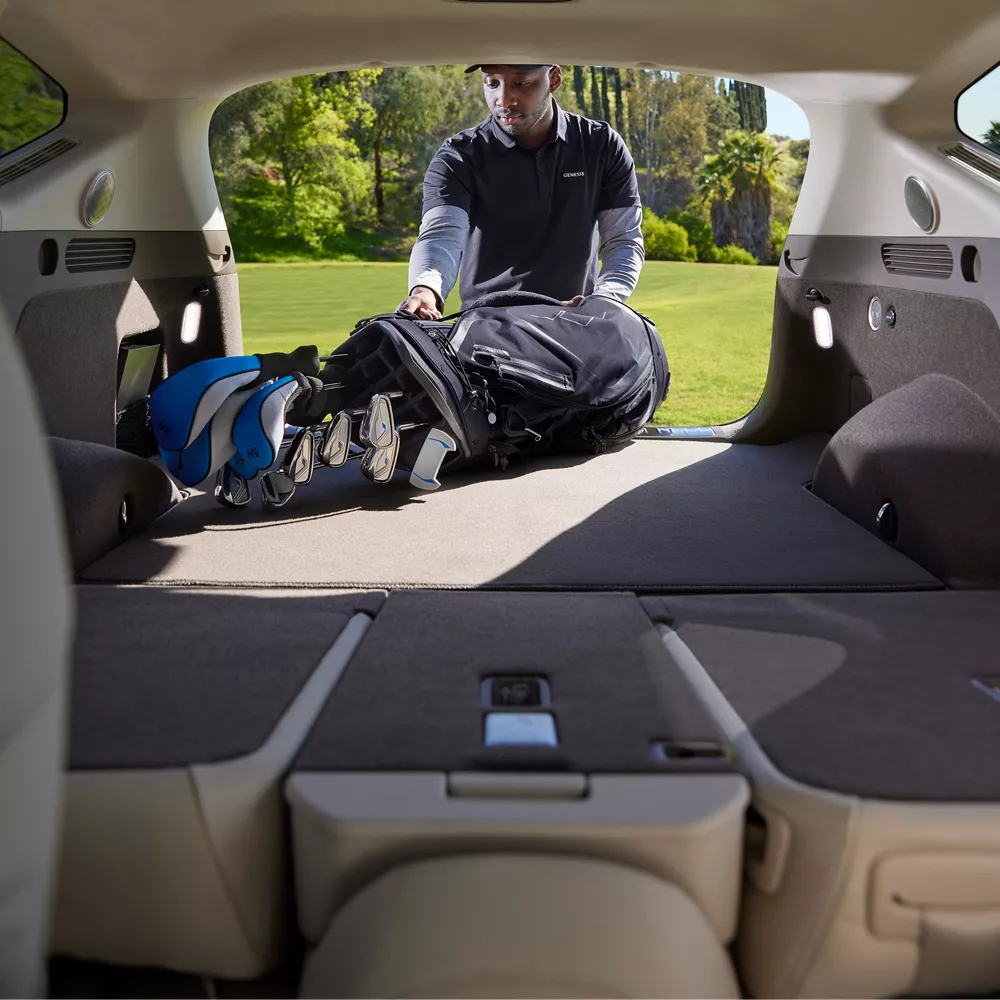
pixel 190 322
pixel 823 327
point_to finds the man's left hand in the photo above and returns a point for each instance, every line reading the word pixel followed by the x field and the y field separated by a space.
pixel 577 300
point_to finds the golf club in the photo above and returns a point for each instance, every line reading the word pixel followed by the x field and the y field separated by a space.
pixel 231 489
pixel 296 469
pixel 377 429
pixel 335 441
pixel 378 464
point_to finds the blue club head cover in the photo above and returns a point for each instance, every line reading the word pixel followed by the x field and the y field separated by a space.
pixel 212 448
pixel 260 426
pixel 182 405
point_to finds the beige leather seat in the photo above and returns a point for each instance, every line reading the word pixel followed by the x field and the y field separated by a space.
pixel 519 925
pixel 187 709
pixel 876 868
pixel 35 623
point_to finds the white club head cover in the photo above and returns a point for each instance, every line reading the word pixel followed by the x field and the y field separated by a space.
pixel 436 446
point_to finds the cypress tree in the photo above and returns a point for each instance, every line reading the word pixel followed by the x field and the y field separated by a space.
pixel 742 103
pixel 595 94
pixel 761 109
pixel 620 106
pixel 605 100
pixel 579 89
pixel 751 103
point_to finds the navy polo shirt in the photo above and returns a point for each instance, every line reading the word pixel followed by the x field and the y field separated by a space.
pixel 532 212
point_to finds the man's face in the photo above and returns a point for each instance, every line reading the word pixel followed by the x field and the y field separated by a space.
pixel 519 100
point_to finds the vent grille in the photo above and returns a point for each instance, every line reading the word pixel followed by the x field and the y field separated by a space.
pixel 972 158
pixel 106 254
pixel 33 160
pixel 923 260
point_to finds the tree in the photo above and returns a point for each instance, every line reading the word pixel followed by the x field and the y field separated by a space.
pixel 605 100
pixel 751 104
pixel 32 102
pixel 403 102
pixel 991 138
pixel 579 90
pixel 621 113
pixel 737 183
pixel 723 116
pixel 413 108
pixel 595 94
pixel 790 173
pixel 668 130
pixel 293 131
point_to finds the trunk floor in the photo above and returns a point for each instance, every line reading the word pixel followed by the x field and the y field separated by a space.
pixel 654 516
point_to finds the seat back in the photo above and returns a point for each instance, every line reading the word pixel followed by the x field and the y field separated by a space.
pixel 920 466
pixel 35 623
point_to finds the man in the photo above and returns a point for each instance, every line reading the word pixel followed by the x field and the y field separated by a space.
pixel 527 200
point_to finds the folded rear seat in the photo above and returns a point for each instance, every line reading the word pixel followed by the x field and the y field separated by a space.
pixel 187 708
pixel 868 725
pixel 657 515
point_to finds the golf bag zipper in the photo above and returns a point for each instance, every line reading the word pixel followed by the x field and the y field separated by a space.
pixel 506 367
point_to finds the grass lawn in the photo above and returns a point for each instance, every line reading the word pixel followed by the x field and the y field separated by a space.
pixel 715 321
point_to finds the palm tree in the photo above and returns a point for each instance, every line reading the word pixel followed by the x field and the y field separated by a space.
pixel 737 182
pixel 991 138
pixel 713 178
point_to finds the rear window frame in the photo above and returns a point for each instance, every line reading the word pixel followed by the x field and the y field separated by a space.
pixel 65 101
pixel 965 135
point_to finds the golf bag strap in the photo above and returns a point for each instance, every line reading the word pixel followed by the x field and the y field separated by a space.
pixel 508 298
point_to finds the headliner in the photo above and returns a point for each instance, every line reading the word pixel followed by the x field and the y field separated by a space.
pixel 193 49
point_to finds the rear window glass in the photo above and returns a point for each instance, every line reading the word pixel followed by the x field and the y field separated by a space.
pixel 321 181
pixel 31 102
pixel 977 110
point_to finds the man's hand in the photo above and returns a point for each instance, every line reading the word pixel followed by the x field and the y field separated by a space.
pixel 422 303
pixel 577 300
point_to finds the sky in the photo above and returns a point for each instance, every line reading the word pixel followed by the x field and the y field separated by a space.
pixel 979 106
pixel 785 117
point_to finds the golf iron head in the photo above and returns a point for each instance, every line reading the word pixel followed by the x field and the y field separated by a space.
pixel 231 489
pixel 300 458
pixel 378 464
pixel 335 441
pixel 377 428
pixel 277 488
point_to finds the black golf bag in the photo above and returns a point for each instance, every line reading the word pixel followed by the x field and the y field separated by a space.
pixel 516 374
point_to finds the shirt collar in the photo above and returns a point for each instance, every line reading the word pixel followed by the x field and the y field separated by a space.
pixel 560 122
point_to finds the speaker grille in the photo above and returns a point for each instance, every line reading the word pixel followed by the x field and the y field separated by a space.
pixel 33 160
pixel 107 254
pixel 923 260
pixel 973 159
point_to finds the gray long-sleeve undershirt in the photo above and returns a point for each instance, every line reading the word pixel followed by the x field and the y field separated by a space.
pixel 437 254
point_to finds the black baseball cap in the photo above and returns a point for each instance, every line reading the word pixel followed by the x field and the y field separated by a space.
pixel 524 69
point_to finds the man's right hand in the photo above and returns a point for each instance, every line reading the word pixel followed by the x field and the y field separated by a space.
pixel 422 303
